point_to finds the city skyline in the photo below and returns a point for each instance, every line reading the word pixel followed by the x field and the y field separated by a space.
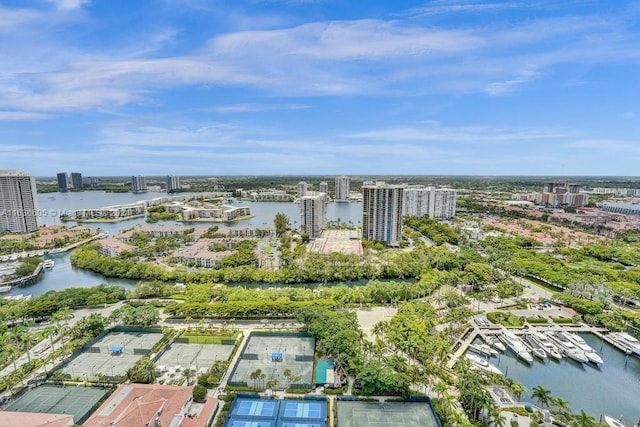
pixel 319 87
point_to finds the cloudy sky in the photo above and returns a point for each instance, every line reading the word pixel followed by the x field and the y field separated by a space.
pixel 192 87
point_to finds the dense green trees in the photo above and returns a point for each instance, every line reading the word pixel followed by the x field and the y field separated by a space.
pixel 144 371
pixel 440 233
pixel 142 316
pixel 281 223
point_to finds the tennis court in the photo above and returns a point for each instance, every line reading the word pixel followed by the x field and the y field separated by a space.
pixel 76 401
pixel 112 356
pixel 252 412
pixel 195 356
pixel 386 414
pixel 272 355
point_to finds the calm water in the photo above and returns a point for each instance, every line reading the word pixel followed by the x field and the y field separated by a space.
pixel 613 389
pixel 64 275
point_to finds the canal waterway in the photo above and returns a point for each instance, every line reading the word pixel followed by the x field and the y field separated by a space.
pixel 612 389
pixel 63 275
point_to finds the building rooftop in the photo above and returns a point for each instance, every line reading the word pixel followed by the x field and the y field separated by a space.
pixel 138 405
pixel 31 419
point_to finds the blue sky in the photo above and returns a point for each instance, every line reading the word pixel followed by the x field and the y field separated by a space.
pixel 251 87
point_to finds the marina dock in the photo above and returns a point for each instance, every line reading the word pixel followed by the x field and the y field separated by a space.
pixel 462 345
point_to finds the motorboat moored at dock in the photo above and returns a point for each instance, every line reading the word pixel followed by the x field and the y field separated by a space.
pixel 535 349
pixel 591 354
pixel 516 345
pixel 626 341
pixel 547 344
pixel 482 364
pixel 567 347
pixel 495 343
pixel 483 349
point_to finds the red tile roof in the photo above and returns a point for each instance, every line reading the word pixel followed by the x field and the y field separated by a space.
pixel 138 405
pixel 31 419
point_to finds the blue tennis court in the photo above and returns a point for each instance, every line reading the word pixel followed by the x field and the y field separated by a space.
pixel 256 408
pixel 302 410
pixel 239 423
pixel 253 412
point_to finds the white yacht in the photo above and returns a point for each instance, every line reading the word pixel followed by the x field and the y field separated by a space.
pixel 516 345
pixel 591 354
pixel 612 422
pixel 535 348
pixel 48 264
pixel 483 349
pixel 568 348
pixel 548 346
pixel 628 342
pixel 480 363
pixel 495 343
pixel 5 288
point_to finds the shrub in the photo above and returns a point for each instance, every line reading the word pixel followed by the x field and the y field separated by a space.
pixel 199 393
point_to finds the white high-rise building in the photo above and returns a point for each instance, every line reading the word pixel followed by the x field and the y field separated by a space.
pixel 323 187
pixel 313 214
pixel 382 213
pixel 429 201
pixel 302 189
pixel 18 202
pixel 342 189
pixel 173 183
pixel 138 184
pixel 443 203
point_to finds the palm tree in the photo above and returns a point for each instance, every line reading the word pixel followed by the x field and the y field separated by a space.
pixel 257 376
pixel 440 388
pixel 188 374
pixel 518 389
pixel 50 331
pixel 542 395
pixel 498 420
pixel 584 420
pixel 262 376
pixel 562 404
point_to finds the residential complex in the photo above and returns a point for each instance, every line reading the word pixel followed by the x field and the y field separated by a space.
pixel 272 195
pixel 557 194
pixel 342 189
pixel 624 192
pixel 94 182
pixel 313 214
pixel 18 202
pixel 382 212
pixel 429 201
pixel 138 184
pixel 173 183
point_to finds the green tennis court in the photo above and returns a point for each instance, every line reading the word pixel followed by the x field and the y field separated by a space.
pixel 76 401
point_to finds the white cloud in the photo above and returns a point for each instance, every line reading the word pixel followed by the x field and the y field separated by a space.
pixel 433 132
pixel 22 115
pixel 358 57
pixel 256 108
pixel 15 18
pixel 69 4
